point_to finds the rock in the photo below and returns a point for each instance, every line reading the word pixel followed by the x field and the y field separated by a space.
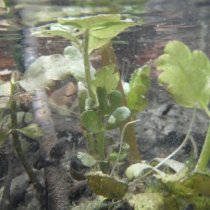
pixel 159 134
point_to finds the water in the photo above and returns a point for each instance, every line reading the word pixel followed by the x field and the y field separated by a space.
pixel 162 20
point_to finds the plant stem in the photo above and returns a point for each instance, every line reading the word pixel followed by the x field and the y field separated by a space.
pixel 87 65
pixel 100 137
pixel 203 160
pixel 206 109
pixel 91 145
pixel 121 144
pixel 100 141
pixel 109 57
pixel 17 144
pixel 181 145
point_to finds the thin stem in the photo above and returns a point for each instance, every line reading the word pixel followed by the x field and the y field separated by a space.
pixel 100 138
pixel 109 57
pixel 91 145
pixel 206 109
pixel 182 144
pixel 121 143
pixel 87 64
pixel 175 151
pixel 203 160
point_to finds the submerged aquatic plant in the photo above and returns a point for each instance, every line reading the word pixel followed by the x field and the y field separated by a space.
pixel 103 103
pixel 186 76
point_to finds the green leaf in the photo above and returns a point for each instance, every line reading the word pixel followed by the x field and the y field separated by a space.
pixel 186 74
pixel 99 36
pixel 89 22
pixel 87 160
pixel 32 130
pixel 119 116
pixel 95 43
pixel 110 29
pixel 138 88
pixel 91 121
pixel 102 99
pixel 102 28
pixel 55 29
pixel 106 78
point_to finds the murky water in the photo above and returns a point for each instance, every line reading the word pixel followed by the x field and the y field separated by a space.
pixel 162 20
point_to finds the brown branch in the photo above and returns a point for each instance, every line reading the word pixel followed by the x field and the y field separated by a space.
pixel 57 194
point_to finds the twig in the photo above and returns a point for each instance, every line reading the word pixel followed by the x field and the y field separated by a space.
pixel 121 143
pixel 182 144
pixel 56 183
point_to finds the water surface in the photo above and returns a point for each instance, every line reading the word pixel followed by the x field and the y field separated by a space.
pixel 160 21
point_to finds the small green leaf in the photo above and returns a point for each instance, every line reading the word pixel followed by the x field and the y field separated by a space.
pixel 119 116
pixel 87 160
pixel 102 99
pixel 115 100
pixel 32 130
pixel 186 74
pixel 91 121
pixel 138 88
pixel 106 78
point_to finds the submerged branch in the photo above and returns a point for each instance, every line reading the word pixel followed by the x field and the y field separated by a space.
pixel 57 194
